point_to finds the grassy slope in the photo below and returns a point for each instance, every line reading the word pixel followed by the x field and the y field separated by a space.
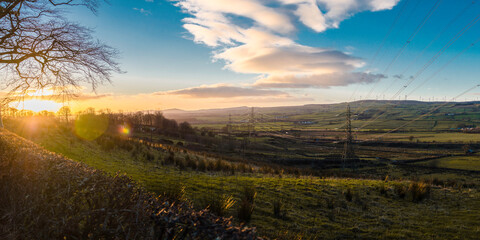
pixel 47 196
pixel 315 207
pixel 457 162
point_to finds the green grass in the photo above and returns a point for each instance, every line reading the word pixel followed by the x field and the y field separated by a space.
pixel 449 137
pixel 457 162
pixel 315 207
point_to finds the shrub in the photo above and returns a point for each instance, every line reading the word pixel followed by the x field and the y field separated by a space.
pixel 437 182
pixel 401 190
pixel 227 167
pixel 124 144
pixel 219 205
pixel 149 156
pixel 419 191
pixel 105 143
pixel 170 159
pixel 242 167
pixel 180 163
pixel 210 166
pixel 245 210
pixel 383 190
pixel 249 193
pixel 278 209
pixel 174 192
pixel 278 171
pixel 219 165
pixel 191 163
pixel 348 195
pixel 202 165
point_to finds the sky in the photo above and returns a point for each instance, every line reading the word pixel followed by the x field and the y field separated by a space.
pixel 198 54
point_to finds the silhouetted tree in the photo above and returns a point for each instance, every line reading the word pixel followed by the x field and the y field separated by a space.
pixel 185 129
pixel 40 48
pixel 64 112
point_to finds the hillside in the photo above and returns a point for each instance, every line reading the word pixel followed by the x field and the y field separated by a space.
pixel 47 196
pixel 309 207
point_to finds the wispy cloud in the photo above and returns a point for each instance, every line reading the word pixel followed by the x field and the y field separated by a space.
pixel 257 36
pixel 143 11
pixel 224 91
pixel 85 97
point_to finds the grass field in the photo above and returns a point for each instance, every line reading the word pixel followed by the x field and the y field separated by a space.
pixel 457 162
pixel 440 137
pixel 314 208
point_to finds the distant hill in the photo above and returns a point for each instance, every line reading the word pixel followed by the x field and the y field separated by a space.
pixel 450 114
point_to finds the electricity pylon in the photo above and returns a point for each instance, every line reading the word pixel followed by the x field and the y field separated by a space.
pixel 348 152
pixel 229 126
pixel 251 125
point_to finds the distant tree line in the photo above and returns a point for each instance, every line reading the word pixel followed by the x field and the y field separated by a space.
pixel 154 122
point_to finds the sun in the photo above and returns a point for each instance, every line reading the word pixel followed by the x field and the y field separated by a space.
pixel 38 105
pixel 36 101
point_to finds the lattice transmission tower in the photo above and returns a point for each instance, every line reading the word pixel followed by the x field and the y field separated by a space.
pixel 348 151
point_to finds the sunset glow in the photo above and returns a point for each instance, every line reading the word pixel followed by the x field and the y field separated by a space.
pixel 37 105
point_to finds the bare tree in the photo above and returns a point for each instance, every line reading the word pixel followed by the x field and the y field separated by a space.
pixel 40 48
pixel 65 112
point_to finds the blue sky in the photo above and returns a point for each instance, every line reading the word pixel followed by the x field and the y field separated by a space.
pixel 195 54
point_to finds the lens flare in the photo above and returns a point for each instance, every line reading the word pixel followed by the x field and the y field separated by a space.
pixel 90 127
pixel 125 130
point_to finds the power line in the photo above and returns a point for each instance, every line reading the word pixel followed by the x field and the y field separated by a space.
pixel 409 40
pixel 429 113
pixel 375 55
pixel 439 53
pixel 389 31
pixel 431 42
pixel 444 66
pixel 459 14
pixel 430 62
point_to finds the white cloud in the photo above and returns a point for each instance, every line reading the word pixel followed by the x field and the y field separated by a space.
pixel 257 36
pixel 290 59
pixel 311 16
pixel 317 81
pixel 334 11
pixel 253 9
